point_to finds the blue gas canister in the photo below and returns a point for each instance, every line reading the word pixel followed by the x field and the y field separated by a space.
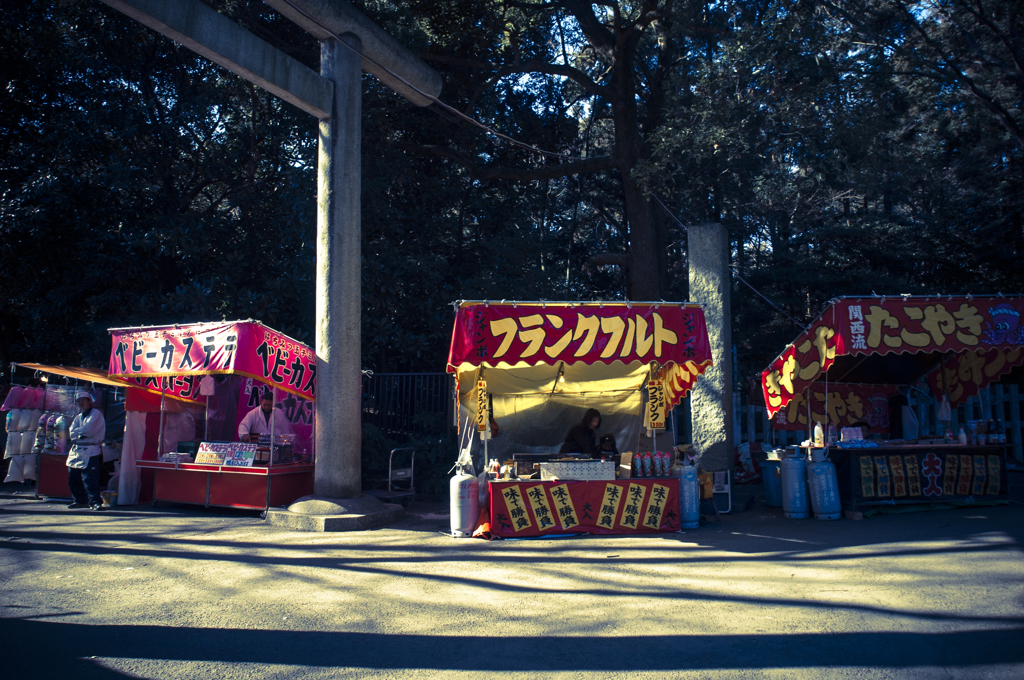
pixel 794 487
pixel 689 497
pixel 771 477
pixel 824 486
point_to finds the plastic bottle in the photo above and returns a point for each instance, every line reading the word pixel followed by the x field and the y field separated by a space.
pixel 819 435
pixel 962 437
pixel 831 434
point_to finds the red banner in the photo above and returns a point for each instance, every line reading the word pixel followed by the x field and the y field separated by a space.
pixel 964 375
pixel 536 333
pixel 179 353
pixel 535 508
pixel 845 405
pixel 881 326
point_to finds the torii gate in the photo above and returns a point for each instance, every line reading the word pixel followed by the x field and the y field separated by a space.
pixel 335 98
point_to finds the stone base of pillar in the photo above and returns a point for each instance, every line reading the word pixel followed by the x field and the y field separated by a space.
pixel 312 513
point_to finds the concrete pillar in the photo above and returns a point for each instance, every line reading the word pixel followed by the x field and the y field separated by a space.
pixel 338 269
pixel 711 400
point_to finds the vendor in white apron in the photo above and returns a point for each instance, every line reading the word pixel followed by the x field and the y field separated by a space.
pixel 87 432
pixel 257 421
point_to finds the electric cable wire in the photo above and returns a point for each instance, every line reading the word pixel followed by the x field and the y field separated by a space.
pixel 444 107
pixel 522 145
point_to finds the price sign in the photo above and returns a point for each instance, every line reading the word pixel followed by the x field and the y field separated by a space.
pixel 655 405
pixel 240 455
pixel 481 405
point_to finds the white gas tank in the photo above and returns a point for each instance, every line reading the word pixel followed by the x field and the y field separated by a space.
pixel 465 504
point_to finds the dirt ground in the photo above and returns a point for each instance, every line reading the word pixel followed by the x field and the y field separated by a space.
pixel 187 592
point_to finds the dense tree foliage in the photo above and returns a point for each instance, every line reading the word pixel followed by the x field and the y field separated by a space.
pixel 849 146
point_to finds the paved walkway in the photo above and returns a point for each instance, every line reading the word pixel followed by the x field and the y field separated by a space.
pixel 181 592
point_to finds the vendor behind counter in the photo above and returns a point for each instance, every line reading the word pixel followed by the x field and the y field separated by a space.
pixel 582 438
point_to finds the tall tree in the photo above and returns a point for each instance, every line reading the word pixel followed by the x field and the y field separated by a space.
pixel 608 67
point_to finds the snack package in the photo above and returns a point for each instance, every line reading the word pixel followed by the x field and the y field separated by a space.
pixel 648 464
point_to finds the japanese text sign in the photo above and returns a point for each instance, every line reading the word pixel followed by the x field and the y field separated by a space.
pixel 927 476
pixel 656 407
pixel 839 404
pixel 536 333
pixel 881 326
pixel 962 375
pixel 630 506
pixel 483 406
pixel 240 348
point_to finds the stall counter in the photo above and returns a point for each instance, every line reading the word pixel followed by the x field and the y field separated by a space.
pixel 52 475
pixel 256 488
pixel 920 473
pixel 521 508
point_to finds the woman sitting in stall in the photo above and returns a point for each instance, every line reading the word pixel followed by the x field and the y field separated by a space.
pixel 582 438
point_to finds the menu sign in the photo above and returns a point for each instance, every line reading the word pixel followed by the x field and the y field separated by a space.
pixel 234 454
pixel 241 455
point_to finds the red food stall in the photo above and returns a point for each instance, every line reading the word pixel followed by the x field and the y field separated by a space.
pixel 528 371
pixel 197 382
pixel 849 362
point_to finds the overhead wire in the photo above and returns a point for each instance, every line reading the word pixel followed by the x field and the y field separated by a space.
pixel 445 107
pixel 486 128
pixel 734 268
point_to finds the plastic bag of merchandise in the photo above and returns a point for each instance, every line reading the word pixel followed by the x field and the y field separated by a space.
pixel 14 472
pixel 13 398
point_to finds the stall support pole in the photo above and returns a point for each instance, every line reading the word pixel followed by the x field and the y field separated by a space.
pixel 338 433
pixel 1018 449
pixel 160 435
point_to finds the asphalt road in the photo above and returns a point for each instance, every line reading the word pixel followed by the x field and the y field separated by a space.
pixel 185 592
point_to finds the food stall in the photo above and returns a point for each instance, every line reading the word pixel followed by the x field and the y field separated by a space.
pixel 526 372
pixel 196 383
pixel 854 358
pixel 38 414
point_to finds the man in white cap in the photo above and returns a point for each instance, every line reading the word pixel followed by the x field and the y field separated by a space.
pixel 257 421
pixel 87 432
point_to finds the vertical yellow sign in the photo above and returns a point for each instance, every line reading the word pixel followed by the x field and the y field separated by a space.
pixel 993 476
pixel 656 508
pixel 481 405
pixel 963 486
pixel 899 478
pixel 516 510
pixel 978 488
pixel 655 405
pixel 949 481
pixel 541 508
pixel 634 502
pixel 913 478
pixel 610 506
pixel 565 512
pixel 883 476
pixel 867 476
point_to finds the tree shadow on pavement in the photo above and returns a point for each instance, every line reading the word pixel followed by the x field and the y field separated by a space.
pixel 78 643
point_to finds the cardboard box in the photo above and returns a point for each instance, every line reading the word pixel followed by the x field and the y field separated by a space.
pixel 626 465
pixel 586 471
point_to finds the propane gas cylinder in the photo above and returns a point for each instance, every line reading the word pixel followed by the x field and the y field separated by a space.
pixel 465 503
pixel 824 487
pixel 794 487
pixel 689 497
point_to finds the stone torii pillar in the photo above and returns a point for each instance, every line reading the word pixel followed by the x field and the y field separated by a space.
pixel 711 408
pixel 335 98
